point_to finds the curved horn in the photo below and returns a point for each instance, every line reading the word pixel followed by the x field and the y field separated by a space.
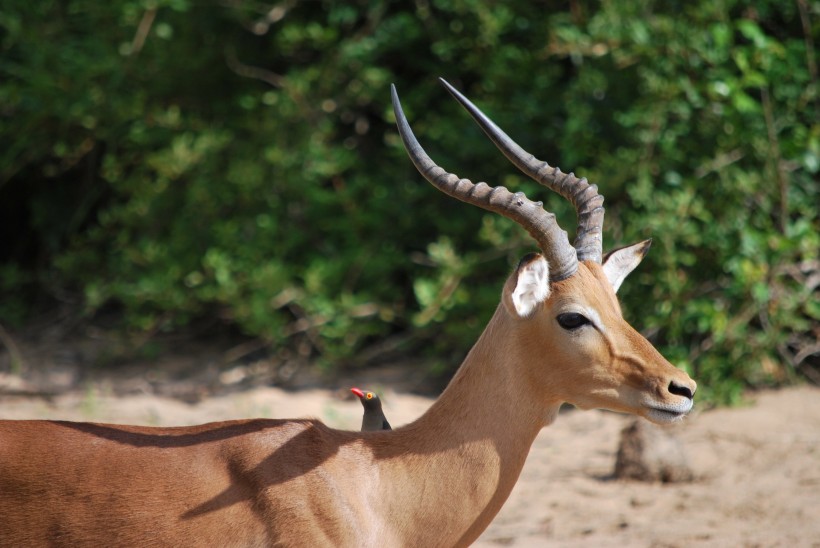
pixel 541 224
pixel 584 197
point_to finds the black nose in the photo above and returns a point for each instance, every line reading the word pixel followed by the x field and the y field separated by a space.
pixel 681 390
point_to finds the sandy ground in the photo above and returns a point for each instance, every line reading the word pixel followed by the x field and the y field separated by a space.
pixel 757 467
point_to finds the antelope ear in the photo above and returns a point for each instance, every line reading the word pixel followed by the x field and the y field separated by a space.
pixel 620 262
pixel 529 286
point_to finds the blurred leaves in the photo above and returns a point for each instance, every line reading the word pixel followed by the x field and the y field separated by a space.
pixel 239 160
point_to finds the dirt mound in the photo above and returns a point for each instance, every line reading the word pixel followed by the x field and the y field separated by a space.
pixel 648 452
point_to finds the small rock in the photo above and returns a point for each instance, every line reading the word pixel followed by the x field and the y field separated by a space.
pixel 650 453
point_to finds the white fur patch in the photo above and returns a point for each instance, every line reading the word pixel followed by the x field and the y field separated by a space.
pixel 619 263
pixel 532 287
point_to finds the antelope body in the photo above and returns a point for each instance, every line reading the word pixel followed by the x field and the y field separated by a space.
pixel 557 336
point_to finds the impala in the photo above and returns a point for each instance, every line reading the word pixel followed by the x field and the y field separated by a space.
pixel 557 336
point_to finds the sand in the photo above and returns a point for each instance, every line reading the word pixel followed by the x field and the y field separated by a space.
pixel 757 467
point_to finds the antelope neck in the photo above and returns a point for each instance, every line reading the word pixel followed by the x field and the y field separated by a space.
pixel 470 446
pixel 488 399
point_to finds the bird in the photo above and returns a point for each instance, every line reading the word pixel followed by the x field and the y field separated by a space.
pixel 373 418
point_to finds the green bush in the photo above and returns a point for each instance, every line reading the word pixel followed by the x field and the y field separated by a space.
pixel 240 160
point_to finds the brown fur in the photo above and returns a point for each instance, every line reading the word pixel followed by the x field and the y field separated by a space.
pixel 436 482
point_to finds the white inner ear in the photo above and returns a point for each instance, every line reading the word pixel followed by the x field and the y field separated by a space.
pixel 532 287
pixel 619 263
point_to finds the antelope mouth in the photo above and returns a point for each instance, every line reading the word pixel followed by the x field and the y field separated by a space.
pixel 666 413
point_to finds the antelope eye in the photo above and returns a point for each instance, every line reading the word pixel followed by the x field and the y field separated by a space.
pixel 571 320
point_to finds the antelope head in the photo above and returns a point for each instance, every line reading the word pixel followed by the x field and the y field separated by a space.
pixel 570 331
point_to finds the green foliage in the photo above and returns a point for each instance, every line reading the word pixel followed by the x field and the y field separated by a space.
pixel 188 159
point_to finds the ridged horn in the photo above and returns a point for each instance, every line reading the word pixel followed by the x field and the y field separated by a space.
pixel 540 224
pixel 583 196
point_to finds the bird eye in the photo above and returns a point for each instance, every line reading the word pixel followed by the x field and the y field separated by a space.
pixel 571 320
pixel 369 395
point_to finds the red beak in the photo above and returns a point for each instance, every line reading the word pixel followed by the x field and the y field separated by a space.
pixel 357 392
